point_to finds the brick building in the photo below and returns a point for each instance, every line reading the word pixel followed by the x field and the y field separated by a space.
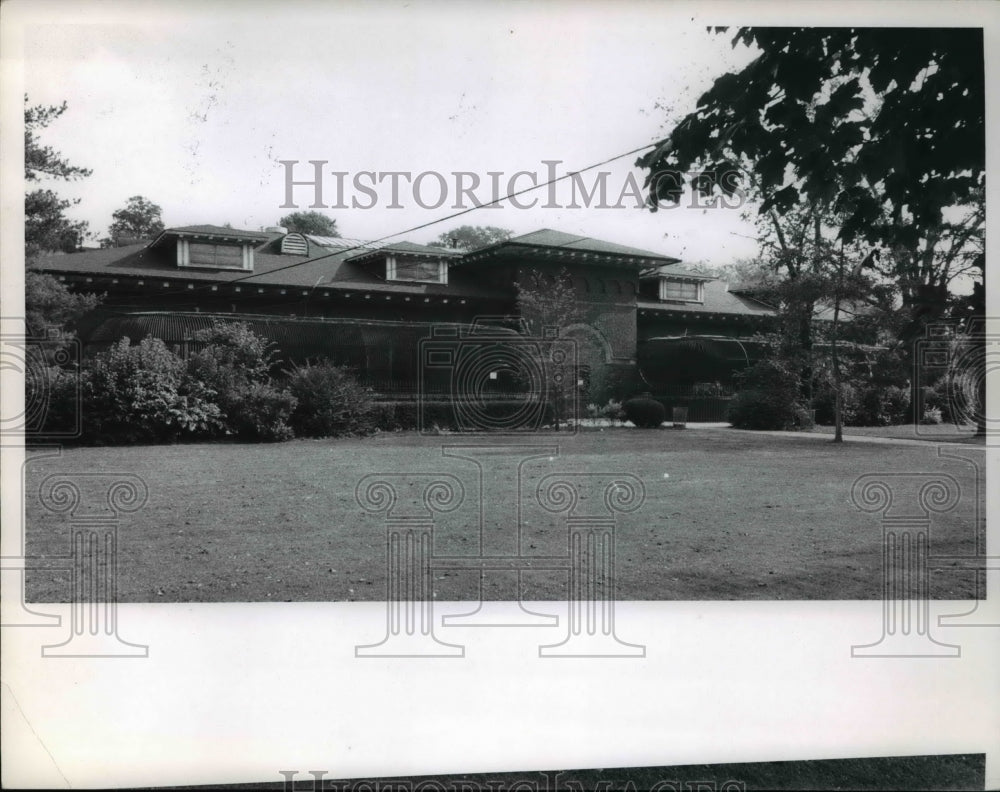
pixel 650 324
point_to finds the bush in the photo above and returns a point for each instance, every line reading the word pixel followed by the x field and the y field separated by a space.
pixel 769 398
pixel 612 411
pixel 708 390
pixel 133 394
pixel 264 413
pixel 645 412
pixel 883 406
pixel 756 410
pixel 51 399
pixel 932 415
pixel 330 402
pixel 235 366
pixel 824 403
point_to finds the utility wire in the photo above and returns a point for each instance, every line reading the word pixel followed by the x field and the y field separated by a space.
pixel 567 175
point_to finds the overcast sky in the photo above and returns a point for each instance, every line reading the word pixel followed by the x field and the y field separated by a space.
pixel 194 108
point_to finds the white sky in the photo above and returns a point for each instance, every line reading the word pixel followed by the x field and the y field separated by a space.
pixel 193 108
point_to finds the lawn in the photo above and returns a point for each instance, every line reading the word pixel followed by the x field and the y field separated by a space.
pixel 727 515
pixel 932 433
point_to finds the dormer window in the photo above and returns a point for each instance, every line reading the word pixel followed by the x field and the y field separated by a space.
pixel 214 255
pixel 681 291
pixel 417 270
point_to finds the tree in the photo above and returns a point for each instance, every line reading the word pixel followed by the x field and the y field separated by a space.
pixel 139 219
pixel 42 161
pixel 46 227
pixel 49 305
pixel 550 306
pixel 883 128
pixel 472 237
pixel 310 223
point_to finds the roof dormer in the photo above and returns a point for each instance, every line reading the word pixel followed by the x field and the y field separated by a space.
pixel 408 263
pixel 211 247
pixel 674 289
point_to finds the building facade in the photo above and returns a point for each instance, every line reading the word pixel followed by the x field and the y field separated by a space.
pixel 645 322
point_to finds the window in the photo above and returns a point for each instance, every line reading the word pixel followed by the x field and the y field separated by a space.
pixel 682 291
pixel 422 270
pixel 214 256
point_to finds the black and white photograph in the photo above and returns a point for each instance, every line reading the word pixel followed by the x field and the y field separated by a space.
pixel 574 395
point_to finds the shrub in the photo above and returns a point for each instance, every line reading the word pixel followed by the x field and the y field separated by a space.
pixel 264 413
pixel 645 412
pixel 612 411
pixel 51 399
pixel 824 403
pixel 708 390
pixel 883 406
pixel 330 402
pixel 932 415
pixel 137 393
pixel 769 398
pixel 235 366
pixel 756 410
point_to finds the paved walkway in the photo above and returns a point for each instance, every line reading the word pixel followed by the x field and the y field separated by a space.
pixel 848 437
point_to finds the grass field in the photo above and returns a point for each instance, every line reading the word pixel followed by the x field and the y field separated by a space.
pixel 931 433
pixel 727 515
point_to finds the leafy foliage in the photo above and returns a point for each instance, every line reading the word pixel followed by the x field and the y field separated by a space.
pixel 50 307
pixel 769 398
pixel 864 120
pixel 136 394
pixel 469 237
pixel 139 219
pixel 549 306
pixel 310 223
pixel 43 161
pixel 613 411
pixel 46 227
pixel 872 136
pixel 264 413
pixel 235 365
pixel 645 412
pixel 330 402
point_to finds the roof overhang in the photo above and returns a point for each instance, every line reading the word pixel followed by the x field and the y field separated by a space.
pixel 567 256
pixel 389 250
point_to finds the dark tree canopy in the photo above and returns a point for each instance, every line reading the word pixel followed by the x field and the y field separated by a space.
pixel 46 227
pixel 48 304
pixel 886 126
pixel 310 223
pixel 469 237
pixel 41 161
pixel 139 219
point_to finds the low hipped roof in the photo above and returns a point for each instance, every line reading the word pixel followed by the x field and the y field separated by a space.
pixel 329 262
pixel 547 238
pixel 323 267
pixel 215 232
pixel 407 248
